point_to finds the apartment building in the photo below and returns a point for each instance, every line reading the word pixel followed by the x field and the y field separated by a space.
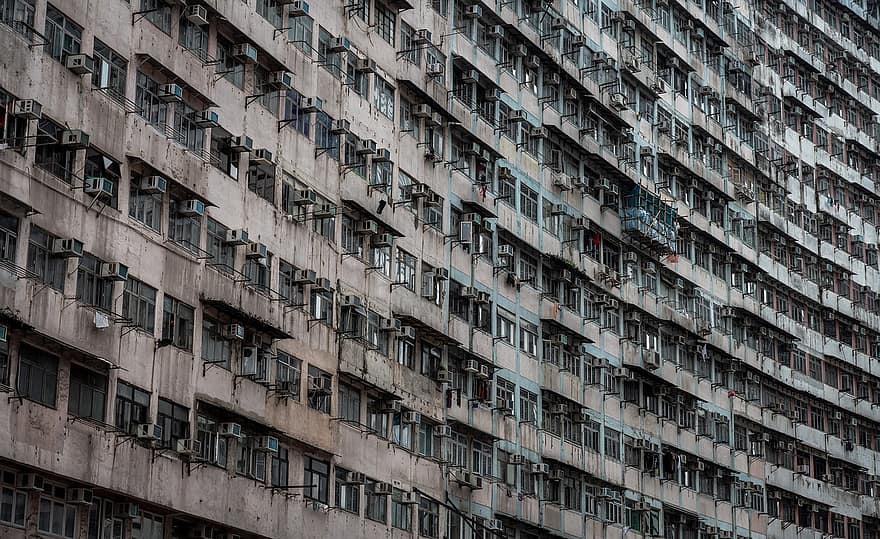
pixel 447 269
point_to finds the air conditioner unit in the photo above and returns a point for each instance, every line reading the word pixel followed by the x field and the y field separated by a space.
pixel 553 79
pixel 652 359
pixel 516 460
pixel 382 155
pixel 570 93
pixel 390 407
pixel 80 64
pixel 241 144
pixel 31 482
pixel 496 31
pixel 494 525
pixel 516 116
pixel 649 268
pixel 170 93
pixel 382 489
pixel 520 50
pixel 281 80
pixel 435 69
pixel 540 468
pixel 470 365
pixel 233 332
pixel 367 227
pixel 443 431
pixel 256 249
pixel 485 373
pixel 659 86
pixel 407 332
pixel 80 496
pixel 75 138
pixel 100 187
pixel 188 447
pixel 67 248
pixel 539 132
pixel 323 284
pixel 29 109
pixel 229 430
pixel 618 101
pixel 560 408
pixel 236 236
pixel 261 156
pixel 608 493
pixel 206 119
pixel 505 250
pixel 304 276
pixel 298 8
pixel 365 147
pixel 114 271
pixel 390 324
pixel 423 36
pixel 493 95
pixel 533 62
pixel 266 444
pixel 355 478
pixel 441 274
pixel 366 65
pixel 340 127
pixel 149 432
pixel 197 15
pixel 412 418
pixel 471 76
pixel 383 240
pixel 411 498
pixel 338 44
pixel 245 52
pixel 312 104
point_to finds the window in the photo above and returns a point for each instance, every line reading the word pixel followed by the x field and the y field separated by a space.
pixel 132 407
pixel 4 364
pixel 429 442
pixel 289 369
pixel 214 447
pixel 250 462
pixel 57 517
pixel 194 38
pixel 63 36
pixel 301 33
pixel 110 70
pixel 377 420
pixel 383 97
pixel 429 518
pixel 316 474
pixel 144 207
pixel 401 431
pixel 99 165
pixel 330 61
pixel 158 13
pixel 269 97
pixel 280 467
pixel 139 304
pixel 50 269
pixel 406 269
pixel 261 180
pixel 430 360
pixel 174 420
pixel 177 323
pixel 19 15
pixel 222 253
pixel 360 8
pixel 37 375
pixel 216 350
pixel 55 158
pixel 349 403
pixel 271 10
pixel 150 107
pixel 358 81
pixel 410 52
pixel 400 512
pixel 321 306
pixel 319 399
pixel 385 23
pixel 287 289
pixel 91 289
pixel 186 132
pixel 8 236
pixel 13 503
pixel 184 229
pixel 348 495
pixel 528 201
pixel 376 505
pixel 227 65
pixel 528 406
pixel 326 141
pixel 258 271
pixel 294 115
pixel 223 157
pixel 88 393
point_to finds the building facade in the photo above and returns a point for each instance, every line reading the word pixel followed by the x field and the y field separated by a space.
pixel 396 268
